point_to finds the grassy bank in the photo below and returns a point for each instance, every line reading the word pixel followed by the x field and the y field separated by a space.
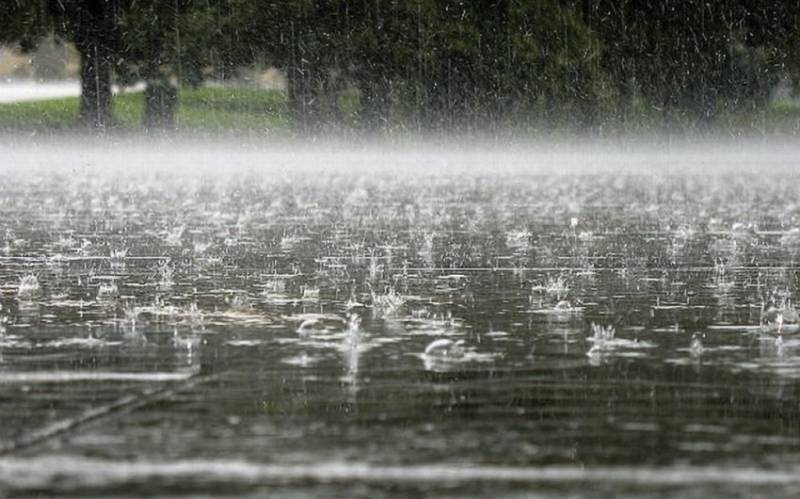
pixel 222 110
pixel 210 109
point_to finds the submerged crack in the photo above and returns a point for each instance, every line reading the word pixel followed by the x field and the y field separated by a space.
pixel 118 407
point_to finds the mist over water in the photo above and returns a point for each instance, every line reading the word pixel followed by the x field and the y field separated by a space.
pixel 562 155
pixel 394 320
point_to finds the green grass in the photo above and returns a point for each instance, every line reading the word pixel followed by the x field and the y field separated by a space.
pixel 223 110
pixel 233 109
pixel 201 109
pixel 53 114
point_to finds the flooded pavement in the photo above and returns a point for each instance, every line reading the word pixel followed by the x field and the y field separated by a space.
pixel 390 335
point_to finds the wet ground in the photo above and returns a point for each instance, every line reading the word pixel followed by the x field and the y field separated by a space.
pixel 389 335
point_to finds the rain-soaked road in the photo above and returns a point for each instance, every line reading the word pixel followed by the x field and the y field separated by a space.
pixel 385 335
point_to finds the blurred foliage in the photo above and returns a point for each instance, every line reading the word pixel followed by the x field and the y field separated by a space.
pixel 478 65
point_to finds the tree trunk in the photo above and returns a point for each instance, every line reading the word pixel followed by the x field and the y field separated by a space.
pixel 587 101
pixel 160 105
pixel 95 32
pixel 307 89
pixel 375 104
pixel 300 100
pixel 95 102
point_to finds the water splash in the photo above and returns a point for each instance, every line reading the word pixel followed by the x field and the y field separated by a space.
pixel 28 287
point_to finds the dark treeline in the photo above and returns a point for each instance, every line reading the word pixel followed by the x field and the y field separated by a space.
pixel 435 64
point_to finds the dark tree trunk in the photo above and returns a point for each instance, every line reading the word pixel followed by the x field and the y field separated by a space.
pixel 435 99
pixel 160 105
pixel 587 101
pixel 95 103
pixel 375 104
pixel 301 85
pixel 310 92
pixel 301 100
pixel 626 98
pixel 94 25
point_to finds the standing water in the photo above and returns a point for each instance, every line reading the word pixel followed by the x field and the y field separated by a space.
pixel 378 324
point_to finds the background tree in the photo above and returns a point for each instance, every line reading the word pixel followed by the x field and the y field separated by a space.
pixel 92 25
pixel 690 59
pixel 24 22
pixel 478 65
pixel 436 64
pixel 184 42
pixel 152 50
